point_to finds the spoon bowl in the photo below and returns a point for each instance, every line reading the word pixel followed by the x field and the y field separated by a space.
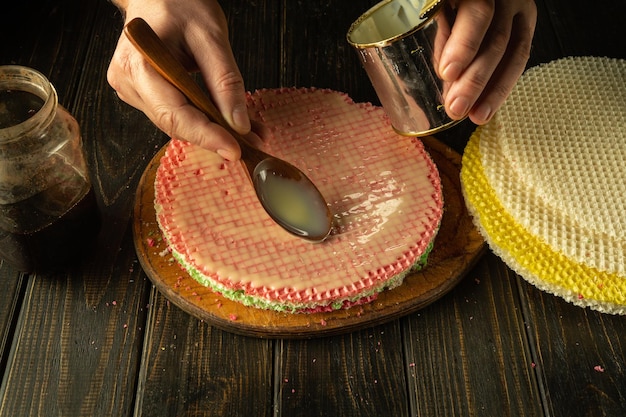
pixel 289 197
pixel 296 208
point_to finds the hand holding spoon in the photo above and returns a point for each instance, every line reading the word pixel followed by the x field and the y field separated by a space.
pixel 288 196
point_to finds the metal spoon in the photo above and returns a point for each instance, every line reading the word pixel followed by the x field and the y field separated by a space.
pixel 288 196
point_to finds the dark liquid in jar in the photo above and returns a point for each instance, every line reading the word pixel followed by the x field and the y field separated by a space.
pixel 17 106
pixel 64 240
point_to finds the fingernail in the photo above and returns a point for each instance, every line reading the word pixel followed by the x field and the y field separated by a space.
pixel 458 108
pixel 451 72
pixel 482 114
pixel 241 119
pixel 225 154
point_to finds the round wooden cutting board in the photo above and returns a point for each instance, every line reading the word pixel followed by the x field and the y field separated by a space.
pixel 457 247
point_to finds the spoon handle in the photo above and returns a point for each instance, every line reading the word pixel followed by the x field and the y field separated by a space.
pixel 165 63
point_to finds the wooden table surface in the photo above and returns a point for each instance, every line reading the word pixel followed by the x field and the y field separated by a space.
pixel 99 340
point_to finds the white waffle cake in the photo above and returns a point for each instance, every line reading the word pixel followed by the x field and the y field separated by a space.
pixel 382 188
pixel 546 180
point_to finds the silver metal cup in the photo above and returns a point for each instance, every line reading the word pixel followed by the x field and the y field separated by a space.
pixel 399 43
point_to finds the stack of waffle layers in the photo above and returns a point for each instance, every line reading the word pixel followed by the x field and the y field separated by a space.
pixel 383 189
pixel 545 180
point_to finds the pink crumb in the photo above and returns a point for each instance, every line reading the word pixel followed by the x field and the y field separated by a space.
pixel 323 322
pixel 598 368
pixel 150 242
pixel 232 317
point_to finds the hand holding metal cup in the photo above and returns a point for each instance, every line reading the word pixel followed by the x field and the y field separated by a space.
pixel 399 43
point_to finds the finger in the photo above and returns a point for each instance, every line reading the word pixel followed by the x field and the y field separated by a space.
pixel 256 136
pixel 465 91
pixel 221 75
pixel 508 71
pixel 473 18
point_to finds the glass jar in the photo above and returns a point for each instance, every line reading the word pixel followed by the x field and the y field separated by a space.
pixel 48 210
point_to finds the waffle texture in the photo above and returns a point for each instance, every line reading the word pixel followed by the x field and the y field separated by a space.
pixel 545 180
pixel 383 189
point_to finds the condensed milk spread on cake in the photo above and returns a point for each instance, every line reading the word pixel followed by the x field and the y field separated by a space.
pixel 383 189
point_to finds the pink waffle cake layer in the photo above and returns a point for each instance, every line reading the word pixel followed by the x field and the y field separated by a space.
pixel 383 189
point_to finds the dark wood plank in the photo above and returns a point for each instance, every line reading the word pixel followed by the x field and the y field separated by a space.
pixel 76 346
pixel 315 52
pixel 469 354
pixel 191 368
pixel 255 40
pixel 360 374
pixel 39 36
pixel 119 140
pixel 79 337
pixel 581 356
pixel 11 297
pixel 582 28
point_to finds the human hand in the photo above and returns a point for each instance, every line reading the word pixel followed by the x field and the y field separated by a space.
pixel 196 33
pixel 485 55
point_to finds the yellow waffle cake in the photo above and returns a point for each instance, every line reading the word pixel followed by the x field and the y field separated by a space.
pixel 383 189
pixel 545 180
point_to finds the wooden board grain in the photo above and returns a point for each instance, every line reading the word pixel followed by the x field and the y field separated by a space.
pixel 456 249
